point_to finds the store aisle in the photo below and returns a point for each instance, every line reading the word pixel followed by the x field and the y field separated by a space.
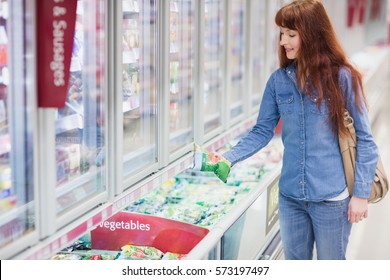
pixel 369 239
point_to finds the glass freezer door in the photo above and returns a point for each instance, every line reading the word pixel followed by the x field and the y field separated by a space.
pixel 237 57
pixel 80 140
pixel 139 84
pixel 181 64
pixel 213 64
pixel 258 19
pixel 17 200
pixel 273 35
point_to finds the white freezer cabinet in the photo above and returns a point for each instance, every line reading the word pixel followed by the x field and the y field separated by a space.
pixel 249 231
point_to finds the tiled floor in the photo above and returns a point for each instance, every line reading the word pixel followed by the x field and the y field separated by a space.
pixel 370 239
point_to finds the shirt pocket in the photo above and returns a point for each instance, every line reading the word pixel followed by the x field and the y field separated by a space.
pixel 321 111
pixel 285 103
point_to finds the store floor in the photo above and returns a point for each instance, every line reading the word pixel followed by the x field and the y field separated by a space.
pixel 369 239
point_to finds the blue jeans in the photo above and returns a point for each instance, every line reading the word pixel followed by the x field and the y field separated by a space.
pixel 303 223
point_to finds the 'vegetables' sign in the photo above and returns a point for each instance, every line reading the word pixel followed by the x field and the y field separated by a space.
pixel 146 230
pixel 55 31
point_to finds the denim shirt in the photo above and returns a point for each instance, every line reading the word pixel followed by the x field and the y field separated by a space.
pixel 312 168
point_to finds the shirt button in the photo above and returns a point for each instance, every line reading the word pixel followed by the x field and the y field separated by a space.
pixel 302 142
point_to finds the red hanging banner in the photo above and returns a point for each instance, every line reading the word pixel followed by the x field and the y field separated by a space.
pixel 376 7
pixel 362 10
pixel 55 31
pixel 351 10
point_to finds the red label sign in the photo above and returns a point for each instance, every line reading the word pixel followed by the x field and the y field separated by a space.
pixel 55 31
pixel 138 229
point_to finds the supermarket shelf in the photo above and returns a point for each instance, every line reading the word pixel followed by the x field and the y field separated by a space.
pixel 68 123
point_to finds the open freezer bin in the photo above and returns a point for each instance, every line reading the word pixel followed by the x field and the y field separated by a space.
pixel 133 236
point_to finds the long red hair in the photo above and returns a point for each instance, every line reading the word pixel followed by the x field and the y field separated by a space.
pixel 319 58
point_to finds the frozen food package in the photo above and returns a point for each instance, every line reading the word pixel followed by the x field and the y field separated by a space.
pixel 134 252
pixel 65 256
pixel 173 256
pixel 211 162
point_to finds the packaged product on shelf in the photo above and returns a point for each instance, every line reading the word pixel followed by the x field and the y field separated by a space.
pixel 75 90
pixel 127 86
pixel 191 214
pixel 81 250
pixel 68 162
pixel 3 114
pixel 83 243
pixel 8 200
pixel 127 252
pixel 173 256
pixel 130 6
pixel 74 159
pixel 198 202
pixel 86 255
pixel 5 179
pixel 62 162
pixel 66 256
pixel 134 252
pixel 242 172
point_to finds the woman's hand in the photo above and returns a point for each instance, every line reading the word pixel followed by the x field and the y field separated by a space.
pixel 358 209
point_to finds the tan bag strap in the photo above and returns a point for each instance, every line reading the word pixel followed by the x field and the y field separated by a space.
pixel 349 124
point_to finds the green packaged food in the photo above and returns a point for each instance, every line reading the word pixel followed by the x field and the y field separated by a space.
pixel 173 256
pixel 134 252
pixel 211 162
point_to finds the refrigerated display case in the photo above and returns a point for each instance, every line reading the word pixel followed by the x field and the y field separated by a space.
pixel 213 65
pixel 272 59
pixel 179 17
pixel 138 85
pixel 18 203
pixel 80 125
pixel 244 210
pixel 181 73
pixel 133 236
pixel 237 55
pixel 195 215
pixel 258 72
pixel 130 121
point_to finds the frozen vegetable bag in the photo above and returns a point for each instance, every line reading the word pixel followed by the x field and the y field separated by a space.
pixel 211 162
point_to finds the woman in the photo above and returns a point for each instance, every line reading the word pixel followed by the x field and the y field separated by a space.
pixel 309 91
